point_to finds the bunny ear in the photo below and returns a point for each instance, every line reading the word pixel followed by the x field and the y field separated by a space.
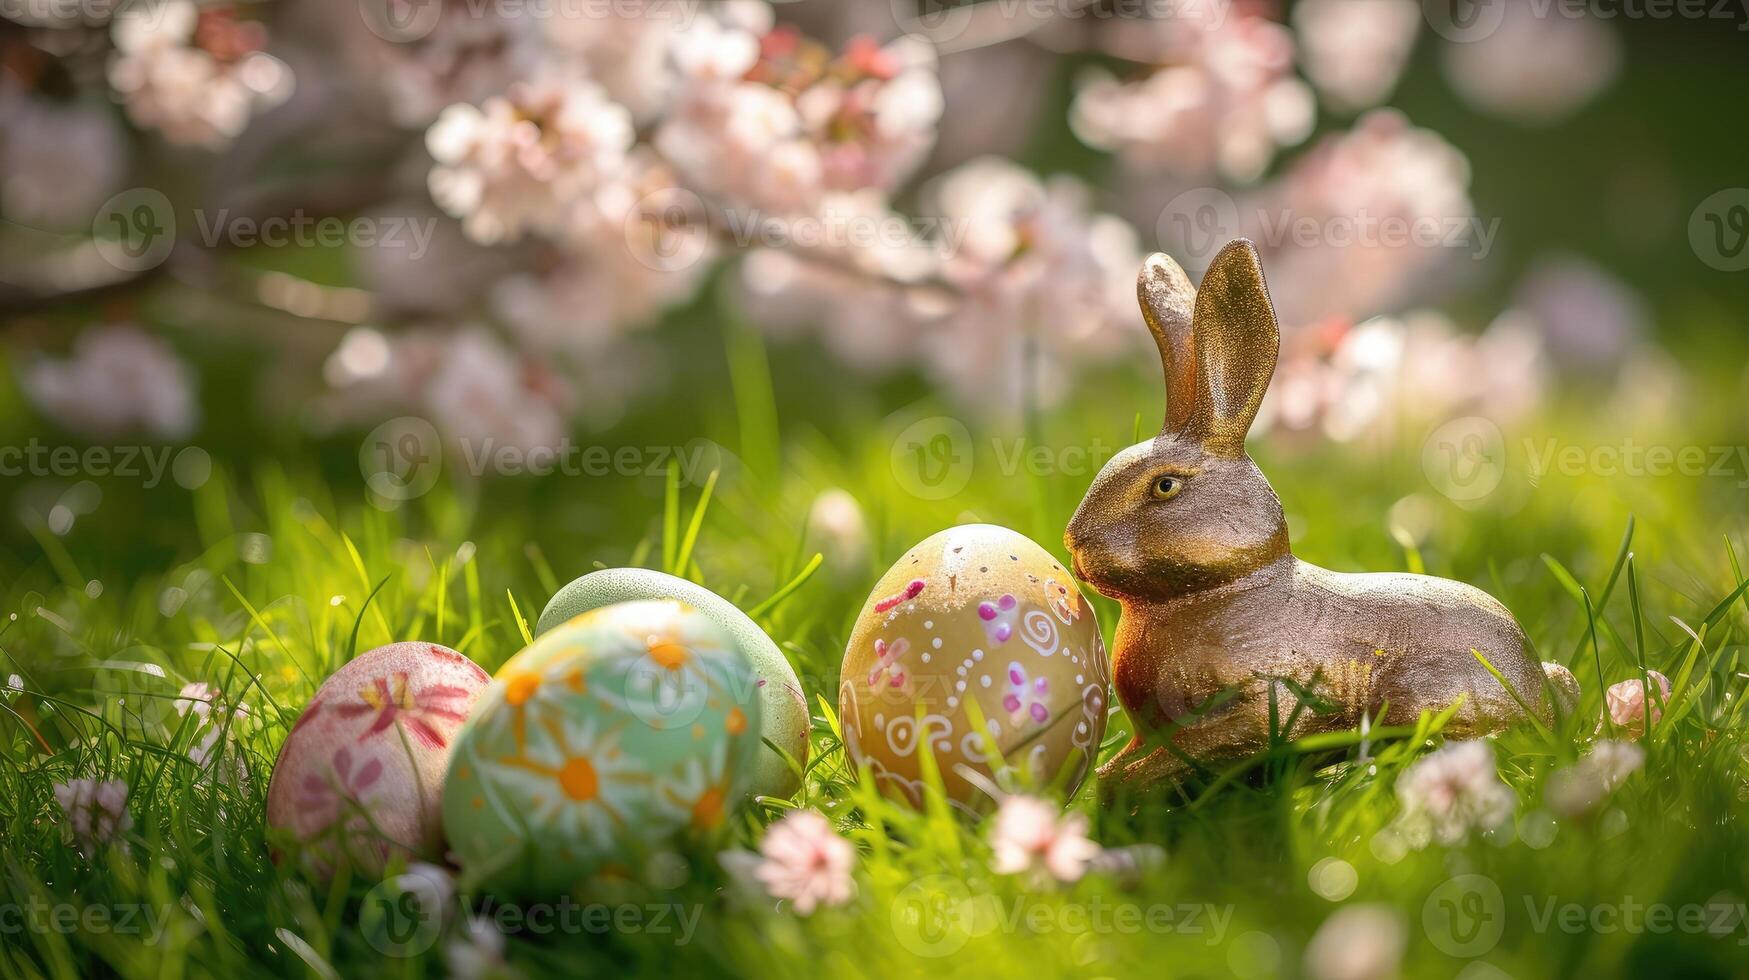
pixel 1237 341
pixel 1168 299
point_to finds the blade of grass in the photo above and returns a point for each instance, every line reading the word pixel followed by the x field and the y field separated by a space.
pixel 516 615
pixel 789 587
pixel 1529 713
pixel 684 559
pixel 671 519
pixel 1621 558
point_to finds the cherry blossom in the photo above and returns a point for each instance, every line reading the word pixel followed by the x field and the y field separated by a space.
pixel 119 380
pixel 1626 702
pixel 1223 99
pixel 1034 837
pixel 1042 283
pixel 1580 788
pixel 1591 320
pixel 464 58
pixel 518 161
pixel 806 862
pixel 58 163
pixel 1358 942
pixel 195 74
pixel 482 394
pixel 629 251
pixel 1535 66
pixel 772 122
pixel 1449 793
pixel 1354 52
pixel 94 812
pixel 1390 374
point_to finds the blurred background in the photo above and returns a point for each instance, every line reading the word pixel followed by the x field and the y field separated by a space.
pixel 853 257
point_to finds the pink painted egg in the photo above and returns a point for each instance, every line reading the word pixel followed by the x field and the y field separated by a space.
pixel 360 777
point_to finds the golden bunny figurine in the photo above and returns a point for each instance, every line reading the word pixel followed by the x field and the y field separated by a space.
pixel 1186 533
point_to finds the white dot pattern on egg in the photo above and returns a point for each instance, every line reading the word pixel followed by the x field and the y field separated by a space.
pixel 360 775
pixel 1017 642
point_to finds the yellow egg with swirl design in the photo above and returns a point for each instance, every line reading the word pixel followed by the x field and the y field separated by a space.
pixel 976 639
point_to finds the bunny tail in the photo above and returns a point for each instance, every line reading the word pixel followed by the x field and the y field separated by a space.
pixel 1564 685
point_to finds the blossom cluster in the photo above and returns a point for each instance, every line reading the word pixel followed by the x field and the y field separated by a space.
pixel 597 168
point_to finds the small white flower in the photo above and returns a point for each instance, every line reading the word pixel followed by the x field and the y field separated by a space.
pixel 478 954
pixel 197 697
pixel 94 812
pixel 837 526
pixel 805 861
pixel 1447 794
pixel 1580 788
pixel 1034 837
pixel 1358 942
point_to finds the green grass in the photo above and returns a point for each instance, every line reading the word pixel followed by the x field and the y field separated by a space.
pixel 271 574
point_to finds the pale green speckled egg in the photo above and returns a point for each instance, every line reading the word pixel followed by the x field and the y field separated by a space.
pixel 612 736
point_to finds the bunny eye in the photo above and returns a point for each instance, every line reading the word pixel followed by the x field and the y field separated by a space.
pixel 1167 487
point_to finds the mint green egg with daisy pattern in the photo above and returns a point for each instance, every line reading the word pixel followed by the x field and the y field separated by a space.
pixel 618 734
